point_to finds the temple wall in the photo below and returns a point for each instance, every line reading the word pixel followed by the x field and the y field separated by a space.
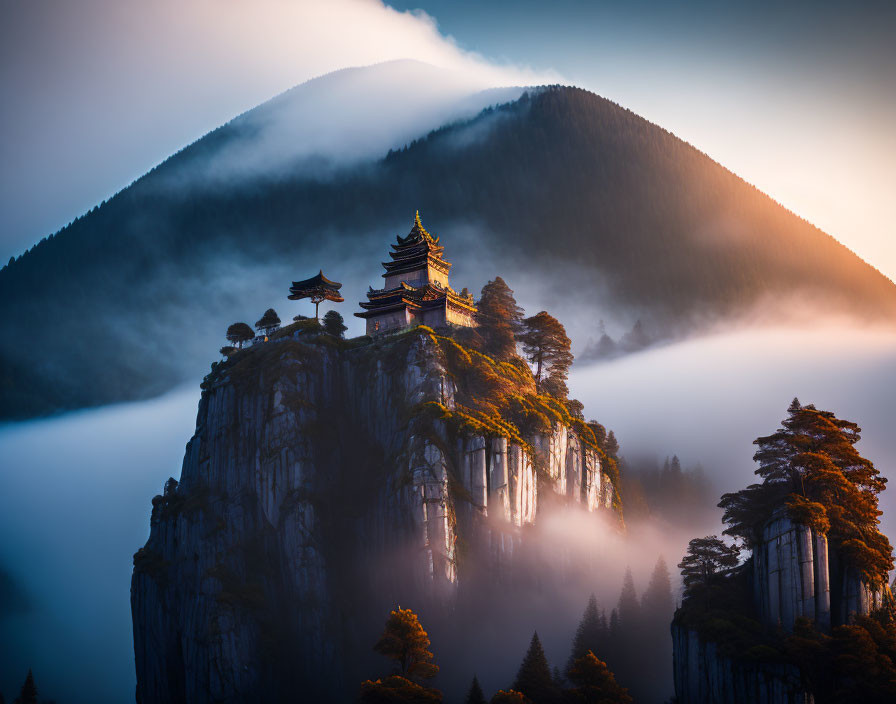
pixel 387 322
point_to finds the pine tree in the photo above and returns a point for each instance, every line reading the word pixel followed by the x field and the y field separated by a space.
pixel 334 324
pixel 475 695
pixel 612 445
pixel 238 333
pixel 498 319
pixel 28 694
pixel 706 560
pixel 589 634
pixel 595 683
pixel 268 322
pixel 811 466
pixel 629 608
pixel 657 606
pixel 534 676
pixel 656 602
pixel 547 347
pixel 405 642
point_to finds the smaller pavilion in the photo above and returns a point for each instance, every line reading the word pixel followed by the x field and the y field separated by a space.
pixel 318 288
pixel 416 290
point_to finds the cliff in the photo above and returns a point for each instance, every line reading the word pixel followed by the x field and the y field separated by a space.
pixel 705 675
pixel 734 651
pixel 327 480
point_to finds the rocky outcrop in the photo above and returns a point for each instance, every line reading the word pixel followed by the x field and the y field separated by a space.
pixel 321 475
pixel 792 579
pixel 791 573
pixel 703 675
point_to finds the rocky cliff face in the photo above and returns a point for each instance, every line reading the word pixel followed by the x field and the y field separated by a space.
pixel 791 578
pixel 705 676
pixel 323 478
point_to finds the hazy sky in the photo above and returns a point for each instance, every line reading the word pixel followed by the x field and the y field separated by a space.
pixel 798 98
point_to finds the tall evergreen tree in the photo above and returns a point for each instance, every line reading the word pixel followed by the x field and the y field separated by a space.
pixel 629 608
pixel 657 608
pixel 548 347
pixel 707 559
pixel 475 695
pixel 612 445
pixel 589 634
pixel 498 319
pixel 334 324
pixel 656 602
pixel 28 694
pixel 534 676
pixel 405 642
pixel 811 465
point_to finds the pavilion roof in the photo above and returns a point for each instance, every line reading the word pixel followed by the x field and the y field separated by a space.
pixel 317 286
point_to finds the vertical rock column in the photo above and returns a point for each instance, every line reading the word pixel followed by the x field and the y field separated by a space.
pixel 430 481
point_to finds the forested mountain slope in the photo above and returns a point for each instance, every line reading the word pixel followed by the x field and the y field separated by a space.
pixel 566 186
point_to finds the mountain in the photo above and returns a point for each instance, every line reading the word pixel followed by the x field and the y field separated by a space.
pixel 329 480
pixel 597 211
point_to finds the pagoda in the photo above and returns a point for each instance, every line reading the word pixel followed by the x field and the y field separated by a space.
pixel 416 290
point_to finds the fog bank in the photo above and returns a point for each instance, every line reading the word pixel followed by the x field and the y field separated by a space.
pixel 75 497
pixel 707 399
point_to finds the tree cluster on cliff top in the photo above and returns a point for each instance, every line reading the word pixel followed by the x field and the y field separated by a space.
pixel 811 468
pixel 813 473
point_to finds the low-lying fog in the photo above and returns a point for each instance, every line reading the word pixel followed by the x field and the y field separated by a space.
pixel 75 491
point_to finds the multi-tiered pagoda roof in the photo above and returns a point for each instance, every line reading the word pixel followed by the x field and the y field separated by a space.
pixel 417 289
pixel 415 252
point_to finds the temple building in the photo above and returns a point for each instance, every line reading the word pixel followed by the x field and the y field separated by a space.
pixel 416 291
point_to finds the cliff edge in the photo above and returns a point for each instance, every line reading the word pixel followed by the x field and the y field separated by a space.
pixel 327 479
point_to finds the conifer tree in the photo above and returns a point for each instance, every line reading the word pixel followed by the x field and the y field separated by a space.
pixel 656 602
pixel 706 560
pixel 28 694
pixel 238 333
pixel 595 683
pixel 405 642
pixel 268 322
pixel 498 319
pixel 812 467
pixel 534 677
pixel 629 608
pixel 589 634
pixel 547 346
pixel 657 606
pixel 334 324
pixel 475 695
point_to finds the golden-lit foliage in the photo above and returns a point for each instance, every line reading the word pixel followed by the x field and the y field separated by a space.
pixel 500 399
pixel 397 690
pixel 510 696
pixel 405 642
pixel 812 467
pixel 595 683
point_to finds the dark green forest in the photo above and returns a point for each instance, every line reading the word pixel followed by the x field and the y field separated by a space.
pixel 608 208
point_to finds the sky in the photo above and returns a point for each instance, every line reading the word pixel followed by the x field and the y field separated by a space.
pixel 796 97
